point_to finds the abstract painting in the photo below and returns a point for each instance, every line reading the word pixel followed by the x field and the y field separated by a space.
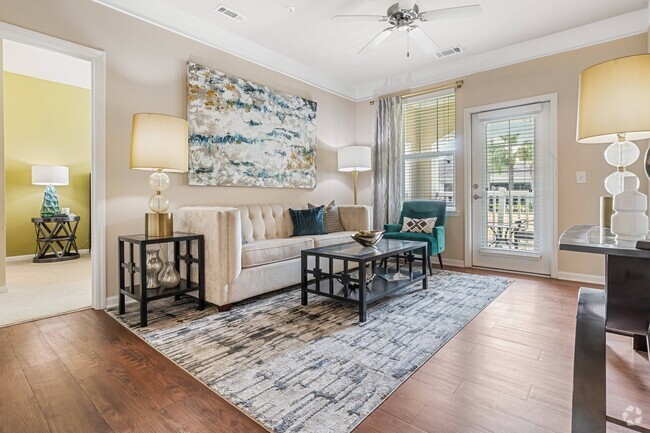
pixel 247 134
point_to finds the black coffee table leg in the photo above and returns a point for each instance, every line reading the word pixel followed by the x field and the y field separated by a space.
pixel 303 279
pixel 362 292
pixel 426 261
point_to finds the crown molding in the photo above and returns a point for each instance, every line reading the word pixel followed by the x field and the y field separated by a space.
pixel 169 18
pixel 618 27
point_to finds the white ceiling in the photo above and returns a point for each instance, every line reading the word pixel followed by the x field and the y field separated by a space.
pixel 308 45
pixel 45 64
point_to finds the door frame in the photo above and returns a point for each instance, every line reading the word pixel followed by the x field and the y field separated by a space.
pixel 97 60
pixel 467 155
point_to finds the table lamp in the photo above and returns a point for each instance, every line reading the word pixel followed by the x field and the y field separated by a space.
pixel 159 143
pixel 354 159
pixel 612 108
pixel 50 176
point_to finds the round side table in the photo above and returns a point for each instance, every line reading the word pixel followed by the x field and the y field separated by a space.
pixel 56 239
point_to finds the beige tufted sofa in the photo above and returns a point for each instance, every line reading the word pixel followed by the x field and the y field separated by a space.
pixel 249 249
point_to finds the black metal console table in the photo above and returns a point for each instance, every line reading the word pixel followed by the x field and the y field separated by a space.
pixel 128 268
pixel 351 285
pixel 622 308
pixel 56 239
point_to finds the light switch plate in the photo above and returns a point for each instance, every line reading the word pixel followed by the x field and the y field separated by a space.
pixel 581 177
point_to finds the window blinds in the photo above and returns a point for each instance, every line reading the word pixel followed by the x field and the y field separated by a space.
pixel 429 124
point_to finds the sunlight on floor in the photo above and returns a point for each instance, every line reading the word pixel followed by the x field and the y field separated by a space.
pixel 38 290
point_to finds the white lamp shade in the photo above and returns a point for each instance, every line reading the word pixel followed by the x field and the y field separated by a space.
pixel 159 142
pixel 354 158
pixel 50 175
pixel 613 100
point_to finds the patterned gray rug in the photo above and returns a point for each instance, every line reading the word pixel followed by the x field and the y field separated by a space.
pixel 314 369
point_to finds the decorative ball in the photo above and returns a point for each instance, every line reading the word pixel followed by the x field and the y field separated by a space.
pixel 158 203
pixel 622 153
pixel 159 181
pixel 614 182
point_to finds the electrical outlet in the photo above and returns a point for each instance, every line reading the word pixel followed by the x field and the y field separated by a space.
pixel 581 177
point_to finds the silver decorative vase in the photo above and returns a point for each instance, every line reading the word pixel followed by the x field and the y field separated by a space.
pixel 169 276
pixel 154 266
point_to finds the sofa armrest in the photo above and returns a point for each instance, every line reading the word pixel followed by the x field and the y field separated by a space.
pixel 356 217
pixel 221 228
pixel 392 228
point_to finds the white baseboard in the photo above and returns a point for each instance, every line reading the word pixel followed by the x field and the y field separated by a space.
pixel 582 278
pixel 31 256
pixel 4 289
pixel 452 262
pixel 113 301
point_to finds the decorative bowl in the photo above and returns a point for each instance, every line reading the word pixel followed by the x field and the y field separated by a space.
pixel 368 238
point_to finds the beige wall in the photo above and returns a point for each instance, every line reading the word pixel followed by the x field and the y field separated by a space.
pixel 146 73
pixel 577 203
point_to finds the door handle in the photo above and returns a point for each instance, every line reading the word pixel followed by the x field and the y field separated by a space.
pixel 476 196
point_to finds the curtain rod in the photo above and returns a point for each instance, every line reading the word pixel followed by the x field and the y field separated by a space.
pixel 457 85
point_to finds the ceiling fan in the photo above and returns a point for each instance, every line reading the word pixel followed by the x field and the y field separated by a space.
pixel 404 19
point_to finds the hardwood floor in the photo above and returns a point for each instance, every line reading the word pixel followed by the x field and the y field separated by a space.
pixel 509 370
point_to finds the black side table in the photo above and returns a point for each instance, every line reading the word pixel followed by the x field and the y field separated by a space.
pixel 128 269
pixel 56 239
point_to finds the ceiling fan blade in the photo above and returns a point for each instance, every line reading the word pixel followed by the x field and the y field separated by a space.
pixel 449 13
pixel 377 18
pixel 381 37
pixel 423 40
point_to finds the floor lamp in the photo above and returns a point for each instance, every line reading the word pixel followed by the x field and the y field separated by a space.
pixel 354 159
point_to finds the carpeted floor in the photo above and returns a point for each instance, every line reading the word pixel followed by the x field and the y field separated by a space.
pixel 39 290
pixel 315 368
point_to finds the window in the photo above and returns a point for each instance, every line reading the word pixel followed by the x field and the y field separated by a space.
pixel 429 124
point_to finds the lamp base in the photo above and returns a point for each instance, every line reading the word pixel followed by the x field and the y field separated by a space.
pixel 158 225
pixel 50 205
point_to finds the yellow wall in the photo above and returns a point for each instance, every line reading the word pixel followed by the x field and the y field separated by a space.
pixel 46 123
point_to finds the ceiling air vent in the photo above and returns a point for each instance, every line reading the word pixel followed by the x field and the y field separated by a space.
pixel 229 13
pixel 449 52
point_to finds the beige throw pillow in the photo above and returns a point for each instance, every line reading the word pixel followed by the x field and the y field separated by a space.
pixel 418 225
pixel 331 217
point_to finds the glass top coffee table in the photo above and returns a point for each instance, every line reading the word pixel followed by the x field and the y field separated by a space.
pixel 362 279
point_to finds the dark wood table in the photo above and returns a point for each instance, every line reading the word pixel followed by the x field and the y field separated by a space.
pixel 622 308
pixel 351 284
pixel 183 252
pixel 56 239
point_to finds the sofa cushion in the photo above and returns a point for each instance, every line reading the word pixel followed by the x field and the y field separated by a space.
pixel 331 238
pixel 331 218
pixel 273 250
pixel 308 221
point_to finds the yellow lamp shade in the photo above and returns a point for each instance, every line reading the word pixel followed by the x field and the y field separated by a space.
pixel 159 142
pixel 614 99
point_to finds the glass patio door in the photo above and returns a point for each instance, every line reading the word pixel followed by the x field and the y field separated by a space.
pixel 511 192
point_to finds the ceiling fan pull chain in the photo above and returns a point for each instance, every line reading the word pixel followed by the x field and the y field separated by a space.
pixel 408 49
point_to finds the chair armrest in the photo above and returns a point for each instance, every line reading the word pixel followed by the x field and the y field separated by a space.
pixel 356 217
pixel 439 234
pixel 392 228
pixel 221 229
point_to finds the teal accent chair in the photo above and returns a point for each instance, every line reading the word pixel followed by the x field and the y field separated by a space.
pixel 422 209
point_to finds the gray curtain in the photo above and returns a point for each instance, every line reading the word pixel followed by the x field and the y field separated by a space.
pixel 387 164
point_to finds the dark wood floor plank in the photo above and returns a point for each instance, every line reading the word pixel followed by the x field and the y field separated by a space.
pixel 203 413
pixel 65 406
pixel 384 422
pixel 508 371
pixel 22 416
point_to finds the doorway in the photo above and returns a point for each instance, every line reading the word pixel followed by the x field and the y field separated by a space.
pixel 512 187
pixel 96 153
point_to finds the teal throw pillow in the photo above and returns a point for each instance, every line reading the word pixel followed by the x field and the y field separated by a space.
pixel 308 221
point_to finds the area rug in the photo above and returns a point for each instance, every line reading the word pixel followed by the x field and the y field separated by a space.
pixel 313 369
